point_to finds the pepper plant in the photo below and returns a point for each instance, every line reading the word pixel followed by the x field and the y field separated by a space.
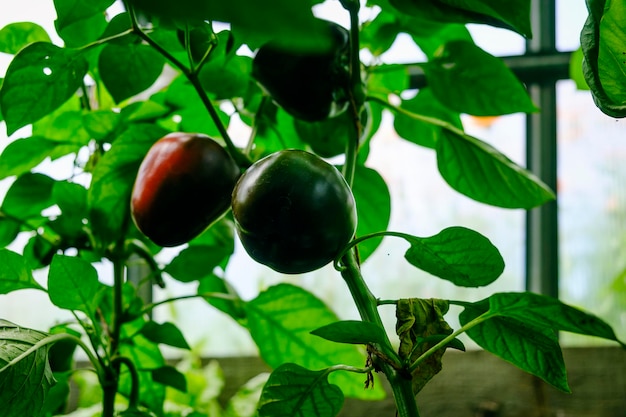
pixel 87 96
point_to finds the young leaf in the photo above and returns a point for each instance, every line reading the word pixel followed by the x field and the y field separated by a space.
pixel 129 69
pixel 602 42
pixel 351 331
pixel 16 36
pixel 293 391
pixel 467 79
pixel 15 273
pixel 418 320
pixel 283 336
pixel 108 198
pixel 25 383
pixel 479 171
pixel 165 333
pixel 171 377
pixel 462 256
pixel 214 284
pixel 40 78
pixel 73 284
pixel 373 204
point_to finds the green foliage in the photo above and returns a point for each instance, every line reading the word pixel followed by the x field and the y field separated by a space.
pixel 93 100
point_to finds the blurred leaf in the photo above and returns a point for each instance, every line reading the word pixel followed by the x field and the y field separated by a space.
pixel 113 177
pixel 28 196
pixel 462 256
pixel 227 78
pixel 284 336
pixel 214 284
pixel 196 262
pixel 15 273
pixel 15 36
pixel 603 40
pixel 40 78
pixel 373 204
pixel 479 171
pixel 387 79
pixel 417 131
pixel 292 390
pixel 171 377
pixel 73 284
pixel 101 123
pixel 467 79
pixel 164 333
pixel 576 69
pixel 127 70
pixel 25 383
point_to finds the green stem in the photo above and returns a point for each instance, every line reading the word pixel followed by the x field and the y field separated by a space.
pixel 133 396
pixel 444 342
pixel 355 242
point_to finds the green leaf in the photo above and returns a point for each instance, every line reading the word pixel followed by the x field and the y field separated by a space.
pixel 603 40
pixel 254 23
pixel 22 155
pixel 9 229
pixel 467 79
pixel 72 11
pixel 16 36
pixel 513 14
pixel 420 324
pixel 196 262
pixel 225 79
pixel 576 69
pixel 352 331
pixel 40 78
pixel 462 256
pixel 64 124
pixel 73 284
pixel 28 196
pixel 479 171
pixel 23 384
pixel 15 273
pixel 214 284
pixel 101 123
pixel 284 336
pixel 171 377
pixel 129 69
pixel 293 391
pixel 108 198
pixel 387 79
pixel 373 204
pixel 164 333
pixel 420 132
pixel 531 348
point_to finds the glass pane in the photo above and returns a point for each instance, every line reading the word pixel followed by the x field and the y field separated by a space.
pixel 570 18
pixel 592 209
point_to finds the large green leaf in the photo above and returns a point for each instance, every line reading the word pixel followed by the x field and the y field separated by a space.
pixel 603 42
pixel 280 321
pixel 80 22
pixel 25 383
pixel 479 171
pixel 469 80
pixel 15 36
pixel 40 78
pixel 462 256
pixel 373 203
pixel 73 284
pixel 113 177
pixel 129 69
pixel 15 273
pixel 293 391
